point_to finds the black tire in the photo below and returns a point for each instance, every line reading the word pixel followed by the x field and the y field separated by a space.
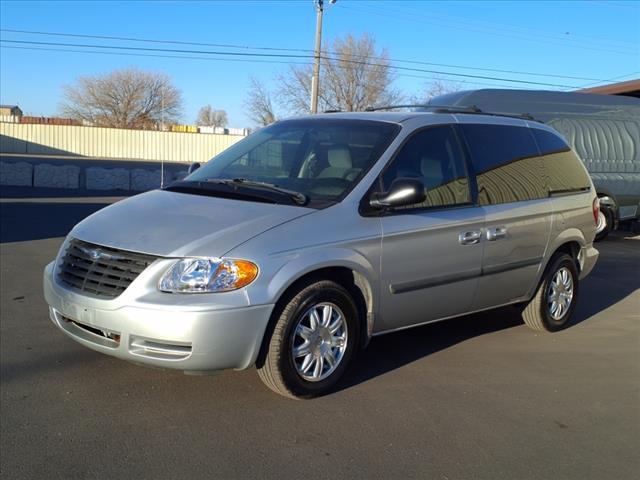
pixel 608 219
pixel 277 367
pixel 537 314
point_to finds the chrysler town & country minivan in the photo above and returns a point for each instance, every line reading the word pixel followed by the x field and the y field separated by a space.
pixel 291 249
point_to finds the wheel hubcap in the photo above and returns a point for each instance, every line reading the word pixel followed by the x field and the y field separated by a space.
pixel 560 293
pixel 319 342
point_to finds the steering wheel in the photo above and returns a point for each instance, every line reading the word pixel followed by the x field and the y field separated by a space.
pixel 335 185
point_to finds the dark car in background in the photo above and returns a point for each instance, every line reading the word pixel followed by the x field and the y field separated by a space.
pixel 603 129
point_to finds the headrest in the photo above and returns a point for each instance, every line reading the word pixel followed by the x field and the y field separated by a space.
pixel 431 169
pixel 339 156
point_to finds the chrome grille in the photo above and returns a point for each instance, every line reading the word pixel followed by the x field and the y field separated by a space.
pixel 98 270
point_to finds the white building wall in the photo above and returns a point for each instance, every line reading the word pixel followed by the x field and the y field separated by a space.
pixel 111 143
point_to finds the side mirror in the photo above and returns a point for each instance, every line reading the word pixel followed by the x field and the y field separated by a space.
pixel 403 191
pixel 193 167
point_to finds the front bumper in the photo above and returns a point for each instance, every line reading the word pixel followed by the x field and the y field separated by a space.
pixel 190 340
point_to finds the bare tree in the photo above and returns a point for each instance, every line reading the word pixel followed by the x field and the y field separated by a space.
pixel 353 76
pixel 128 98
pixel 294 90
pixel 436 88
pixel 258 103
pixel 210 117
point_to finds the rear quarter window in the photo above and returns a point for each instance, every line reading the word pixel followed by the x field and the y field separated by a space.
pixel 563 168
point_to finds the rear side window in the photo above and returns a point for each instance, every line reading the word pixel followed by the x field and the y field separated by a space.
pixel 506 162
pixel 563 167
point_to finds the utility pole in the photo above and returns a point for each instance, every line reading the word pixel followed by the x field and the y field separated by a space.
pixel 315 79
pixel 162 136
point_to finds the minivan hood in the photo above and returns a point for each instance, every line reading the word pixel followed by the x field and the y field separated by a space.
pixel 176 224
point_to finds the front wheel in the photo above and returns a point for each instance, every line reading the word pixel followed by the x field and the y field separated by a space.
pixel 312 343
pixel 551 307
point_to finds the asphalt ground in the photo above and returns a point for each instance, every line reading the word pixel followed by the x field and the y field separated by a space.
pixel 476 397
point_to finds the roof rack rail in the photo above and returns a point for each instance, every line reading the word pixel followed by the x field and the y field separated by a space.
pixel 454 109
pixel 522 116
pixel 471 109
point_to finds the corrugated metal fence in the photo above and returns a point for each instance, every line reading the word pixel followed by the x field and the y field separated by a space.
pixel 112 143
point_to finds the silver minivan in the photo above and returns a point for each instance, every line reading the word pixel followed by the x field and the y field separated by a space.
pixel 294 247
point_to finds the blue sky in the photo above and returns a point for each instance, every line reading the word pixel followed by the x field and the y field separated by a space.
pixel 595 40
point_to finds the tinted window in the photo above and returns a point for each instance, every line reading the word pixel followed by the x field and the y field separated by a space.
pixel 563 168
pixel 323 159
pixel 434 157
pixel 548 142
pixel 506 162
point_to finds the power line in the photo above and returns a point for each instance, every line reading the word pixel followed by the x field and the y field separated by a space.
pixel 275 55
pixel 129 54
pixel 247 47
pixel 517 29
pixel 494 28
pixel 626 5
pixel 153 40
pixel 148 49
pixel 474 27
pixel 189 57
pixel 611 79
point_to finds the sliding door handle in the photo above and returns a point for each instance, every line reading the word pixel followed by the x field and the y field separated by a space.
pixel 470 238
pixel 496 233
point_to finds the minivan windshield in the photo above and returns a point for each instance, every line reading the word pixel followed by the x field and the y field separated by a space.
pixel 307 161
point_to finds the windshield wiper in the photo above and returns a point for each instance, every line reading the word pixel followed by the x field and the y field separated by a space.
pixel 298 197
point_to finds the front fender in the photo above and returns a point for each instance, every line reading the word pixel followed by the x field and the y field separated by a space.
pixel 308 262
pixel 283 270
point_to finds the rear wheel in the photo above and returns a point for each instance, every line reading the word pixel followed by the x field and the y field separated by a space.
pixel 551 307
pixel 312 343
pixel 605 223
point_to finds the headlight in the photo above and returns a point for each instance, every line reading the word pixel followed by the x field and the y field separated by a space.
pixel 202 275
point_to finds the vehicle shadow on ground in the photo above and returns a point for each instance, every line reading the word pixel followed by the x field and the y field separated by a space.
pixel 598 292
pixel 24 221
pixel 393 351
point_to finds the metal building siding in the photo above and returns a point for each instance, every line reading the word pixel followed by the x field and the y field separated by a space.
pixel 112 142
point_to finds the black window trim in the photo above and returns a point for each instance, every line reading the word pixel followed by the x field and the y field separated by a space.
pixel 366 210
pixel 471 174
pixel 569 191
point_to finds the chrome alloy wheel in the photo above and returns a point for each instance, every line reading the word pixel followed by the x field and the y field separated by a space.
pixel 319 341
pixel 560 293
